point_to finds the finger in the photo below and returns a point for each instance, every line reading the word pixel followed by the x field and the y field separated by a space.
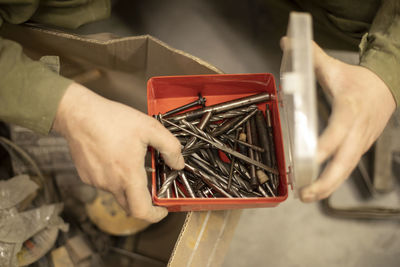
pixel 334 134
pixel 121 199
pixel 325 67
pixel 336 172
pixel 320 57
pixel 168 145
pixel 284 42
pixel 139 200
pixel 328 71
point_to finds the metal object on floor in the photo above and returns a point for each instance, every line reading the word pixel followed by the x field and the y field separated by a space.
pixel 107 214
pixel 380 213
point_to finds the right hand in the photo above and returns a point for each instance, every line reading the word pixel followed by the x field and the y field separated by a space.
pixel 362 105
pixel 108 142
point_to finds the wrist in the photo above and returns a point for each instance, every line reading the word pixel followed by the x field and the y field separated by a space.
pixel 386 96
pixel 73 108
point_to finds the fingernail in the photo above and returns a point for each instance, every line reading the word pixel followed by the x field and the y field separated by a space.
pixel 161 214
pixel 309 198
pixel 308 195
pixel 164 213
pixel 181 162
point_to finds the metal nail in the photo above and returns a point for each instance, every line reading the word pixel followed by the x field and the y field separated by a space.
pixel 221 116
pixel 232 165
pixel 185 181
pixel 199 102
pixel 242 121
pixel 181 192
pixel 210 181
pixel 253 181
pixel 233 113
pixel 221 180
pixel 211 157
pixel 175 187
pixel 227 149
pixel 255 148
pixel 272 144
pixel 226 126
pixel 203 122
pixel 245 101
pixel 167 183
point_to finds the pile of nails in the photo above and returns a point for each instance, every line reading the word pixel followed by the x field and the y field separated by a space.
pixel 235 130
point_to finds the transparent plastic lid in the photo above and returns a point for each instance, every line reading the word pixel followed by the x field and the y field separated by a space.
pixel 298 102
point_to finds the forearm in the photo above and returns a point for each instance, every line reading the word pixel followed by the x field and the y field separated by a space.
pixel 29 91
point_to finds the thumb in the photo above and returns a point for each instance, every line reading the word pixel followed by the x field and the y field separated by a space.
pixel 167 144
pixel 327 69
pixel 320 56
pixel 139 199
pixel 284 43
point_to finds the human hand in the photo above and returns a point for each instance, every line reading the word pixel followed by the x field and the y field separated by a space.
pixel 108 142
pixel 362 105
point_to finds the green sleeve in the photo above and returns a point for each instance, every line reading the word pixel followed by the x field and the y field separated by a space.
pixel 380 47
pixel 61 13
pixel 29 91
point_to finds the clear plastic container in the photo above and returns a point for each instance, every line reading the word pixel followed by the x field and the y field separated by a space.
pixel 298 102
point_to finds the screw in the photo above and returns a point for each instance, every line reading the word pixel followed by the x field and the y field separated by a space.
pixel 199 102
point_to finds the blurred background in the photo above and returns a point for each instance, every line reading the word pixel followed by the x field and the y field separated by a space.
pixel 243 37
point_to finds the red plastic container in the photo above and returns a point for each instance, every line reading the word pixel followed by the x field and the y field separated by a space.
pixel 168 92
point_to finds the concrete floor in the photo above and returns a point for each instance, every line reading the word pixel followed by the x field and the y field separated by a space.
pixel 234 38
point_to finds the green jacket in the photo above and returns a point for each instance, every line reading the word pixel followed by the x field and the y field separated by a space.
pixel 30 93
pixel 373 25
